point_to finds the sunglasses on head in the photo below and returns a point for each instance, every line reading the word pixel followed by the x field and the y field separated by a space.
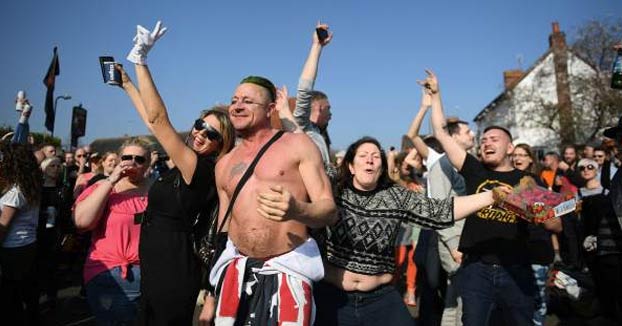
pixel 588 167
pixel 212 133
pixel 136 158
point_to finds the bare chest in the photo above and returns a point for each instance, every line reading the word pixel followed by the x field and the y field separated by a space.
pixel 274 167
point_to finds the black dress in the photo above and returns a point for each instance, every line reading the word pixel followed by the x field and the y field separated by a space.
pixel 170 272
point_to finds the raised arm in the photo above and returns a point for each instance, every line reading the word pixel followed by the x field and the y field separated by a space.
pixel 132 92
pixel 302 112
pixel 288 123
pixel 455 153
pixel 413 131
pixel 155 110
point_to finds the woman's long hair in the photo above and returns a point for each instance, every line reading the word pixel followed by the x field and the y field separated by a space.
pixel 18 166
pixel 344 177
pixel 226 130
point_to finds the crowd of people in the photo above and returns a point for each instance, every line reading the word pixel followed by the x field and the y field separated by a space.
pixel 303 238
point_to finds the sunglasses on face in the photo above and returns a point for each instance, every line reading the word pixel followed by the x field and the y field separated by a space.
pixel 136 158
pixel 588 167
pixel 212 133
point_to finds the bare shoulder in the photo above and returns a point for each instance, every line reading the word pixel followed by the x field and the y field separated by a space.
pixel 298 142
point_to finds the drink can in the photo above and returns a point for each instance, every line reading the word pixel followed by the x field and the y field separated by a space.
pixel 111 76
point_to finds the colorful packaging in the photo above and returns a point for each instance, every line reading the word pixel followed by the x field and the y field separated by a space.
pixel 537 204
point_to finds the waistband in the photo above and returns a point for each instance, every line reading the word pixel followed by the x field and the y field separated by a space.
pixel 361 296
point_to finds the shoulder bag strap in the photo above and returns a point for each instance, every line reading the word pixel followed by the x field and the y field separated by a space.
pixel 247 175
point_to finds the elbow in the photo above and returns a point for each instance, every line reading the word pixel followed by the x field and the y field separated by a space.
pixel 332 216
pixel 81 221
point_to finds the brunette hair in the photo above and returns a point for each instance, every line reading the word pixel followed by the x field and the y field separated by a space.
pixel 19 167
pixel 226 130
pixel 344 177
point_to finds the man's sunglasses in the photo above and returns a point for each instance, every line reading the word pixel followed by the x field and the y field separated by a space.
pixel 212 133
pixel 137 158
pixel 589 167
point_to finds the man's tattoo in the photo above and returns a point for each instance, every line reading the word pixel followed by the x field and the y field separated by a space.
pixel 237 169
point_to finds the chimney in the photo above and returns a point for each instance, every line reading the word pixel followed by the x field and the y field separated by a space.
pixel 557 43
pixel 511 78
pixel 557 39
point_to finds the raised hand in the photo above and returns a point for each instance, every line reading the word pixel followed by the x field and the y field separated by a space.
pixel 316 39
pixel 282 104
pixel 143 41
pixel 277 204
pixel 430 83
pixel 125 78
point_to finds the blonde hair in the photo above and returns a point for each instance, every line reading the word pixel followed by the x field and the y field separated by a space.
pixel 47 161
pixel 141 142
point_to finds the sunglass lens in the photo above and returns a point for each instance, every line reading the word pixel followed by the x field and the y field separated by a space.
pixel 199 124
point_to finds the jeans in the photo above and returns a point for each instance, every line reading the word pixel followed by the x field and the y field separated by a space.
pixel 540 273
pixel 113 299
pixel 484 287
pixel 382 306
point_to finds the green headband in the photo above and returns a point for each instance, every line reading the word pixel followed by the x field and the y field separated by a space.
pixel 262 82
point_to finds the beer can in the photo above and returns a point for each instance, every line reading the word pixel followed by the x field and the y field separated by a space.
pixel 111 76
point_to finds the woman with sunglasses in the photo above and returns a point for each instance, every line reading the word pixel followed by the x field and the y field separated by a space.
pixel 171 274
pixel 603 241
pixel 109 209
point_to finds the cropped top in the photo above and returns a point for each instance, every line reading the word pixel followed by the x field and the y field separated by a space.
pixel 363 239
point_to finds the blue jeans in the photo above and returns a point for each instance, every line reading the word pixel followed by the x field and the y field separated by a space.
pixel 113 299
pixel 540 272
pixel 484 287
pixel 382 307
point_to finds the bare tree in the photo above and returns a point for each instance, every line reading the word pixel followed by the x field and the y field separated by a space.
pixel 593 42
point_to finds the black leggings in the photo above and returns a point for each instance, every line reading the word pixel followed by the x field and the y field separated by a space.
pixel 18 286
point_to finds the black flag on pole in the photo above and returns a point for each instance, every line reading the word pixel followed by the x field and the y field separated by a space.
pixel 49 80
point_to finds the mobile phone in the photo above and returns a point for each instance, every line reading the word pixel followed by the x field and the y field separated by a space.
pixel 109 73
pixel 322 34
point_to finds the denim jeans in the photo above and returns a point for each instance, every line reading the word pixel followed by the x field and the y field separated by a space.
pixel 383 306
pixel 113 299
pixel 484 287
pixel 540 272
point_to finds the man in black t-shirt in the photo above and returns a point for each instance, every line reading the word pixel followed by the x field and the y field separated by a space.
pixel 495 271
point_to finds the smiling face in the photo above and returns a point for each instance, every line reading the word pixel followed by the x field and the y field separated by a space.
pixel 570 155
pixel 495 148
pixel 200 142
pixel 366 167
pixel 250 108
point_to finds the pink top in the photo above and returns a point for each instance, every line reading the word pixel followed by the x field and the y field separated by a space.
pixel 114 241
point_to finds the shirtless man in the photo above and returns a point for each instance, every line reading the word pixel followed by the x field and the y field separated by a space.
pixel 268 237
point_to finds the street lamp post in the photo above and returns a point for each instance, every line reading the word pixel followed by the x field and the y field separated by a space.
pixel 64 97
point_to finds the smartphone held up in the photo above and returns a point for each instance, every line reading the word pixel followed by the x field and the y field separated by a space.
pixel 322 34
pixel 111 75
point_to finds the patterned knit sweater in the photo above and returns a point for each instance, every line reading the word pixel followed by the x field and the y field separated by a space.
pixel 363 240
